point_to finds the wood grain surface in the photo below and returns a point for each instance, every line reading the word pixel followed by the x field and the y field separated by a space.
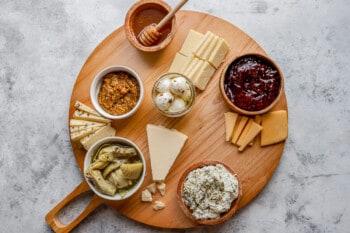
pixel 204 125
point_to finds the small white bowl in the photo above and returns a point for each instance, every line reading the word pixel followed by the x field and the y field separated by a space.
pixel 96 85
pixel 122 141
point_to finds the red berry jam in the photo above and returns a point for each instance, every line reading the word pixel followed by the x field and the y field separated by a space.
pixel 251 83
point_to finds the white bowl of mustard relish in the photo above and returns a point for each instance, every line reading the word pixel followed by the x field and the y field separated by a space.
pixel 116 92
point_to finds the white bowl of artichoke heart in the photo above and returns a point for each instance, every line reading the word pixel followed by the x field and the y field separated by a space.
pixel 114 168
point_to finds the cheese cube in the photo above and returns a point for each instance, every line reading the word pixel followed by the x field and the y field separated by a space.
pixel 190 42
pixel 275 127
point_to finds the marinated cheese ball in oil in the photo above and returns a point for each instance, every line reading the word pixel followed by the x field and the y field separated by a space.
pixel 178 105
pixel 164 85
pixel 178 85
pixel 164 100
pixel 173 94
pixel 187 95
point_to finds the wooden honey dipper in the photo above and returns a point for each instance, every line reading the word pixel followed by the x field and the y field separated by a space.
pixel 150 34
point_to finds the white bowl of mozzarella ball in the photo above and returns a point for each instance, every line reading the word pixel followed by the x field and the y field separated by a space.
pixel 173 94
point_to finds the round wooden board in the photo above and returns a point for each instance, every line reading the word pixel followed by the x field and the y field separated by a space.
pixel 204 125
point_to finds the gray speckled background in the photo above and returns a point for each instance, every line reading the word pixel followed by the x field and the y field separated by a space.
pixel 43 45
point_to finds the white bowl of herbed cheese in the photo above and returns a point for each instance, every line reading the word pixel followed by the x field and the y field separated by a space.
pixel 209 192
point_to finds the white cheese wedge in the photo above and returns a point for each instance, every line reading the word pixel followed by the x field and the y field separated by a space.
pixel 106 131
pixel 203 76
pixel 81 115
pixel 201 43
pixel 86 138
pixel 75 122
pixel 177 65
pixel 83 133
pixel 82 107
pixel 190 42
pixel 75 129
pixel 218 54
pixel 164 147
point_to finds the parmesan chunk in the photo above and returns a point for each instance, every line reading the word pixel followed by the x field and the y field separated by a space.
pixel 161 188
pixel 158 205
pixel 146 196
pixel 152 188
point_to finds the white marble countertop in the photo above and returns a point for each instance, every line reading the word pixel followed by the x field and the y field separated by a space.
pixel 43 45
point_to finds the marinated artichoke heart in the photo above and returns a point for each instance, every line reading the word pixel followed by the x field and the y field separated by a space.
pixel 114 169
pixel 209 191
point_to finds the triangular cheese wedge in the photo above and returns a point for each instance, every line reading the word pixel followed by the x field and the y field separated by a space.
pixel 75 129
pixel 82 115
pixel 75 122
pixel 106 131
pixel 238 130
pixel 82 107
pixel 244 132
pixel 251 134
pixel 76 136
pixel 164 147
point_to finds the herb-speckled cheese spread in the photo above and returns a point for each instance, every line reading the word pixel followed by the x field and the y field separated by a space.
pixel 209 191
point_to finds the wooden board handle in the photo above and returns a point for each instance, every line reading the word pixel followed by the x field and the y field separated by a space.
pixel 55 223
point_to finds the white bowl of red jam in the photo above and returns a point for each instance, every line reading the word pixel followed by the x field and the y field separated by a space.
pixel 251 84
